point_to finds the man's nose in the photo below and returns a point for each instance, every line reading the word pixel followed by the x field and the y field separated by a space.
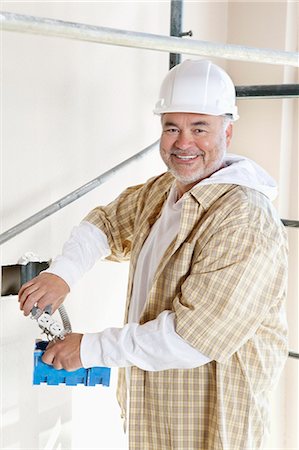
pixel 184 140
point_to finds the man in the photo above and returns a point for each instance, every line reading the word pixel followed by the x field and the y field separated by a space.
pixel 205 336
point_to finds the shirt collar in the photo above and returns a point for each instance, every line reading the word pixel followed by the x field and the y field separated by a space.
pixel 206 195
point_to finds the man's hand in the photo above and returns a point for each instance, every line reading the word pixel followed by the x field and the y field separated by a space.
pixel 43 290
pixel 64 354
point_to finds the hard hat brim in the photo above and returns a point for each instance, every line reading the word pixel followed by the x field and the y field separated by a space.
pixel 159 111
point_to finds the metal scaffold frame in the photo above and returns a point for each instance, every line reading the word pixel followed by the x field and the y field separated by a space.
pixel 50 27
pixel 72 196
pixel 112 36
pixel 172 44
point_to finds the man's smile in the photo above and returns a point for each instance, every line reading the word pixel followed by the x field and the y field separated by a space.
pixel 185 158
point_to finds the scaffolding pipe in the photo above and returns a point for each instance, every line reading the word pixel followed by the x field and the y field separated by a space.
pixel 293 355
pixel 176 18
pixel 268 91
pixel 290 223
pixel 58 28
pixel 75 195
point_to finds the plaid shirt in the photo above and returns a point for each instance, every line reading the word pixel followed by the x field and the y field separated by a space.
pixel 225 278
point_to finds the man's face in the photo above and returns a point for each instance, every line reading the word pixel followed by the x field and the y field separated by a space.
pixel 193 146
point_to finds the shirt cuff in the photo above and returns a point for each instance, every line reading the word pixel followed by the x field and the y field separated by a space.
pixel 65 269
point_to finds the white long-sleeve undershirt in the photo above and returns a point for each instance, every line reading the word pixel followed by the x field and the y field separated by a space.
pixel 85 246
pixel 153 346
pixel 133 344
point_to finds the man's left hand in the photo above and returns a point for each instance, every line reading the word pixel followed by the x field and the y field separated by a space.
pixel 64 354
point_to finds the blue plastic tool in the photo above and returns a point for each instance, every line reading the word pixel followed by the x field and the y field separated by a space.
pixel 43 373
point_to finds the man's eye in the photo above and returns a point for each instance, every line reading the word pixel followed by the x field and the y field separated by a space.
pixel 171 130
pixel 199 131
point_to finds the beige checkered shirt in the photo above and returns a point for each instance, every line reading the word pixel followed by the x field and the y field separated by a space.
pixel 224 276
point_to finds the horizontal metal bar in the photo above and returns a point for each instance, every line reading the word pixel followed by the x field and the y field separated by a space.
pixel 294 355
pixel 268 91
pixel 290 223
pixel 75 195
pixel 50 27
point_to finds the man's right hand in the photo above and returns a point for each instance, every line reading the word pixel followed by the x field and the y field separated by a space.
pixel 43 290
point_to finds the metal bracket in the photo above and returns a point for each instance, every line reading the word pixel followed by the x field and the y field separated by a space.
pixel 15 275
pixel 186 33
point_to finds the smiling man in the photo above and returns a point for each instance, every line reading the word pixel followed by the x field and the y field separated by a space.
pixel 193 146
pixel 205 336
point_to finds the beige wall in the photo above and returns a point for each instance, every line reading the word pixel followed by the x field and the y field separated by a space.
pixel 72 110
pixel 268 132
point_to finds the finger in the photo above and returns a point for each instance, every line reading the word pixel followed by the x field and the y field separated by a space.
pixel 24 287
pixel 47 302
pixel 30 301
pixel 50 345
pixel 57 365
pixel 47 358
pixel 49 355
pixel 25 294
pixel 28 287
pixel 33 299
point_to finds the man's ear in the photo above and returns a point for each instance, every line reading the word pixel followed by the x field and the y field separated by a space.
pixel 229 134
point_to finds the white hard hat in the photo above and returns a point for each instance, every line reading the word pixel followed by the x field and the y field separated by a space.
pixel 197 86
